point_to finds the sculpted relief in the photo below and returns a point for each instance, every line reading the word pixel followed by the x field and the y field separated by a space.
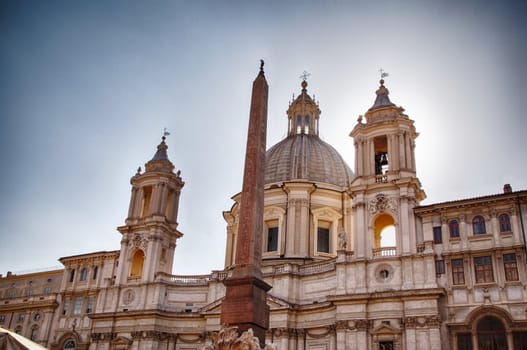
pixel 227 339
pixel 382 203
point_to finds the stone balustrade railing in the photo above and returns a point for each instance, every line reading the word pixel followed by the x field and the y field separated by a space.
pixel 384 251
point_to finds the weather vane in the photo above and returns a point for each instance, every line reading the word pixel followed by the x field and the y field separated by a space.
pixel 384 74
pixel 304 75
pixel 165 133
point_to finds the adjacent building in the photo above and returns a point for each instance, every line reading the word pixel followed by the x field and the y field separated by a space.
pixel 354 260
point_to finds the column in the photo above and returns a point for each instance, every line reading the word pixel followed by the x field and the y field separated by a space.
pixel 404 225
pixel 303 248
pixel 291 220
pixel 391 156
pixel 371 157
pixel 132 202
pixel 357 170
pixel 156 197
pixel 408 151
pixel 402 159
pixel 138 205
pixel 163 199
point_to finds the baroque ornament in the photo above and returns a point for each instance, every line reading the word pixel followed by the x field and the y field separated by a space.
pixel 139 242
pixel 227 339
pixel 382 203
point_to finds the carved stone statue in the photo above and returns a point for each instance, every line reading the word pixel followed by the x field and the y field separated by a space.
pixel 343 242
pixel 227 339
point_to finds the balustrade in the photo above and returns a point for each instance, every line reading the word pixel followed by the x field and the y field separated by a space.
pixel 384 251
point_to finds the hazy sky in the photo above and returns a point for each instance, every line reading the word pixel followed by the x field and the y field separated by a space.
pixel 86 88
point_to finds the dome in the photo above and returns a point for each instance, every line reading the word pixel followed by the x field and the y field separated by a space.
pixel 302 155
pixel 307 158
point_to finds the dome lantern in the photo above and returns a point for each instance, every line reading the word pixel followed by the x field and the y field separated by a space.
pixel 303 113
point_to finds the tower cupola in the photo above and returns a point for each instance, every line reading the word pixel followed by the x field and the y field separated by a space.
pixel 160 161
pixel 384 143
pixel 382 99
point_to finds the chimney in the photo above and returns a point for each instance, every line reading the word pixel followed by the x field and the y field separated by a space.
pixel 507 188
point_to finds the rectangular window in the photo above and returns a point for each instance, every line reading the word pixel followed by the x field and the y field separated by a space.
pixel 21 317
pixel 47 290
pixel 511 268
pixel 464 341
pixel 89 306
pixel 483 269
pixel 438 235
pixel 440 267
pixel 323 240
pixel 77 307
pixel 454 229
pixel 272 239
pixel 72 275
pixel 458 271
pixel 65 306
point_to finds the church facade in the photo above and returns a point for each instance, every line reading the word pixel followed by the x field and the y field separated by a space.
pixel 354 260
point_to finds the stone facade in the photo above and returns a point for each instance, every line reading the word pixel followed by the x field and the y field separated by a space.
pixel 354 260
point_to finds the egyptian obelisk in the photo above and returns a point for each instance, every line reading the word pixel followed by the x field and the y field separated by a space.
pixel 245 298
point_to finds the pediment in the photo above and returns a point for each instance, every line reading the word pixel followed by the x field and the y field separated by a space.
pixel 277 303
pixel 120 340
pixel 272 301
pixel 213 307
pixel 385 329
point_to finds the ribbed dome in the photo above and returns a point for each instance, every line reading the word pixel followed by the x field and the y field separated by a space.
pixel 308 158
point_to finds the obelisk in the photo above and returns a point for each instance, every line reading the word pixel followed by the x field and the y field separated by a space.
pixel 246 292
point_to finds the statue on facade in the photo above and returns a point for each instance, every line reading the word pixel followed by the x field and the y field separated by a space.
pixel 343 242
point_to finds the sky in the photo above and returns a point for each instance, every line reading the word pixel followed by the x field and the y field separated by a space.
pixel 87 87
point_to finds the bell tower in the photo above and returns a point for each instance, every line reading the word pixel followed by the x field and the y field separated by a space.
pixel 385 188
pixel 150 231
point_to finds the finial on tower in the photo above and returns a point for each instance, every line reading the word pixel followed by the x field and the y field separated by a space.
pixel 261 66
pixel 384 74
pixel 165 134
pixel 304 76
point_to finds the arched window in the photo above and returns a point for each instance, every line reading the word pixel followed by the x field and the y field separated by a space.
pixel 491 334
pixel 505 223
pixel 453 227
pixel 137 263
pixel 72 275
pixel 70 344
pixel 298 124
pixel 95 270
pixel 306 124
pixel 34 333
pixel 84 274
pixel 478 225
pixel 384 240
